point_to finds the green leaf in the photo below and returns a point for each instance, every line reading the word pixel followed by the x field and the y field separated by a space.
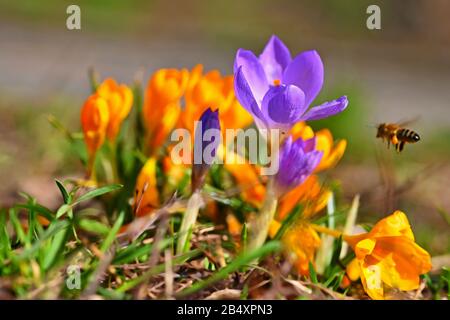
pixel 17 226
pixel 66 195
pixel 93 226
pixel 60 127
pixel 57 245
pixel 312 273
pixel 98 192
pixel 445 276
pixel 244 292
pixel 110 294
pixel 41 210
pixel 5 242
pixel 243 259
pixel 112 233
pixel 63 210
pixel 131 253
pixel 289 221
pixel 244 236
pixel 53 229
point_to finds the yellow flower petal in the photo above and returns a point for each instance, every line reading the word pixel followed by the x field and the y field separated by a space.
pixel 353 270
pixel 302 242
pixel 146 195
pixel 388 256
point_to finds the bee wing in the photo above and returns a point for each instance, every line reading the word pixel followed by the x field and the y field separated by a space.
pixel 407 122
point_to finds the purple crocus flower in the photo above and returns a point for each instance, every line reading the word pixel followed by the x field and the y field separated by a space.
pixel 297 161
pixel 277 90
pixel 206 143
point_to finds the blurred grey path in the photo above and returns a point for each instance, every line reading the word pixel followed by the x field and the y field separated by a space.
pixel 37 63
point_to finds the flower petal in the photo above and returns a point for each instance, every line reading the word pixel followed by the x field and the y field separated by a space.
pixel 295 165
pixel 326 109
pixel 283 105
pixel 396 224
pixel 274 59
pixel 253 73
pixel 245 95
pixel 306 72
pixel 310 144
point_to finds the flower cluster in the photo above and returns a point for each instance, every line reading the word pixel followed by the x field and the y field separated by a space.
pixel 276 92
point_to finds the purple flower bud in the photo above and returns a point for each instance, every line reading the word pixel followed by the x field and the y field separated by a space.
pixel 206 143
pixel 297 159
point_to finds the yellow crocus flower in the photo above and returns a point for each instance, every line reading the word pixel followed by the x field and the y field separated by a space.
pixel 388 257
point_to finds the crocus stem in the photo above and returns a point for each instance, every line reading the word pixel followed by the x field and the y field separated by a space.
pixel 331 232
pixel 189 218
pixel 350 239
pixel 91 174
pixel 259 227
pixel 113 159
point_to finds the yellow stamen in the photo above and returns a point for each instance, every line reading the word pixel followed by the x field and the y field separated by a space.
pixel 276 82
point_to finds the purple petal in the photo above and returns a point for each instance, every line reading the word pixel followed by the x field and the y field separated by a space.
pixel 298 160
pixel 326 109
pixel 253 73
pixel 274 59
pixel 209 121
pixel 245 96
pixel 309 145
pixel 283 105
pixel 306 72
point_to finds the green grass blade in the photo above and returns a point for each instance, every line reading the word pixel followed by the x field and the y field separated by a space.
pixel 131 253
pixel 41 210
pixel 289 221
pixel 56 247
pixel 20 233
pixel 63 210
pixel 313 274
pixel 65 194
pixel 53 229
pixel 98 192
pixel 112 233
pixel 93 226
pixel 5 241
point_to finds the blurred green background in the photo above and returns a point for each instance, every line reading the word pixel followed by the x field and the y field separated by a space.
pixel 397 73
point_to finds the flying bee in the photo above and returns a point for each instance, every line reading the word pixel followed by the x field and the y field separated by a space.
pixel 396 134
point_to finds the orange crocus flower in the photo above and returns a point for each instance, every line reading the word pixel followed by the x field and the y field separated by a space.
pixel 300 241
pixel 120 100
pixel 212 90
pixel 162 104
pixel 94 122
pixel 248 179
pixel 388 257
pixel 310 193
pixel 146 197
